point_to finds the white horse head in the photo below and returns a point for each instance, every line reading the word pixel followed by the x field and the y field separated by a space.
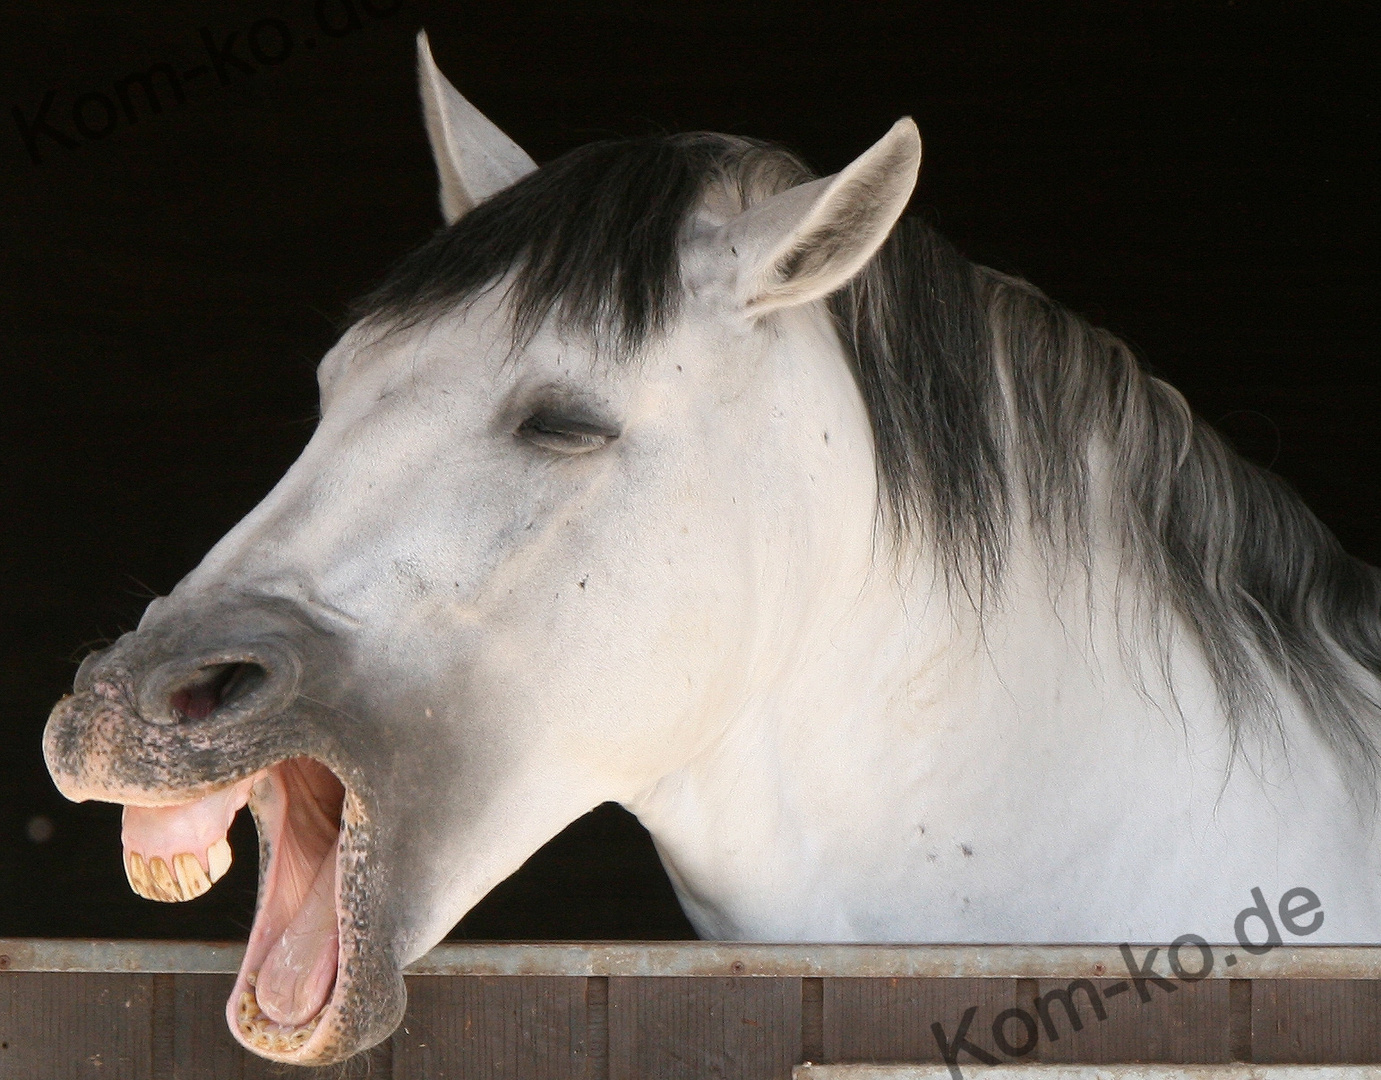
pixel 670 475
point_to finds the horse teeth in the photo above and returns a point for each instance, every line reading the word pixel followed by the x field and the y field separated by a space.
pixel 218 857
pixel 154 879
pixel 266 1034
pixel 138 873
pixel 163 881
pixel 191 878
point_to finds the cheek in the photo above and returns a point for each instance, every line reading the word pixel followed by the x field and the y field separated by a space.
pixel 459 542
pixel 634 572
pixel 632 619
pixel 679 584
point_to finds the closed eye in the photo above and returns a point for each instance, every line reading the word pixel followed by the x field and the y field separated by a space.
pixel 564 434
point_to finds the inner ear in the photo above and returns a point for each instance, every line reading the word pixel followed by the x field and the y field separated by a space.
pixel 809 241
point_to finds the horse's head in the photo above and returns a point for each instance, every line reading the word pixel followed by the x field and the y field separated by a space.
pixel 587 463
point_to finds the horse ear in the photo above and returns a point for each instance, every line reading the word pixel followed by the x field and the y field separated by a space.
pixel 805 243
pixel 474 158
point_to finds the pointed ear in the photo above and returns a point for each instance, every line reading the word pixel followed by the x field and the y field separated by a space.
pixel 474 158
pixel 805 243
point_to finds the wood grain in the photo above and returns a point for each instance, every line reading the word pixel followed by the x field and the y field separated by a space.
pixel 500 1027
pixel 545 1027
pixel 696 1028
pixel 70 1026
pixel 1300 1021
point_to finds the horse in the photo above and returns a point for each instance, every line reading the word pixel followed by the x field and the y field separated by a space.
pixel 898 602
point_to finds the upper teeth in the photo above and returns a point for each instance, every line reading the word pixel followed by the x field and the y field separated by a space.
pixel 184 880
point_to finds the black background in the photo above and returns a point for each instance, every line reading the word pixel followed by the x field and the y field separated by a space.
pixel 1199 177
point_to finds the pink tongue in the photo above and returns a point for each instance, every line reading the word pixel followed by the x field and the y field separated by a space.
pixel 296 976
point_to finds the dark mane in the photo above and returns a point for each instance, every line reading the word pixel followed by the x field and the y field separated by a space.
pixel 594 238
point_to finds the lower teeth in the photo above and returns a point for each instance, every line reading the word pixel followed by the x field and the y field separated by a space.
pixel 266 1034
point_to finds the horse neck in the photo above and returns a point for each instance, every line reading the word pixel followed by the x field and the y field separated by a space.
pixel 905 740
pixel 1057 661
pixel 912 724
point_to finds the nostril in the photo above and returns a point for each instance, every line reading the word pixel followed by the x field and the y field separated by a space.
pixel 215 687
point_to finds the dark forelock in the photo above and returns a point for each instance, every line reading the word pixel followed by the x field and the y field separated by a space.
pixel 593 238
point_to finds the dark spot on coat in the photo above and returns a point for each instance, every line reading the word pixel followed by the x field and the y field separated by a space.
pixel 966 849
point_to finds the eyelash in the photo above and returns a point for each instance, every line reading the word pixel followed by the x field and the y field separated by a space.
pixel 563 435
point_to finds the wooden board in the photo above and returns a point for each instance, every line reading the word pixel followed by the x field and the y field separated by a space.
pixel 61 1027
pixel 121 1025
pixel 692 1028
pixel 510 1027
pixel 1315 1020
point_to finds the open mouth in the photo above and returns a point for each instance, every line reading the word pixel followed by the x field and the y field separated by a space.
pixel 288 980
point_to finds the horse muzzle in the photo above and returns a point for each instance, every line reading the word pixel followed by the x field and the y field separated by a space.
pixel 184 722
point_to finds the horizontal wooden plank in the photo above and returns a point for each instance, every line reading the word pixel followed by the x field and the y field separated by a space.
pixel 105 957
pixel 716 959
pixel 80 1024
pixel 1088 1072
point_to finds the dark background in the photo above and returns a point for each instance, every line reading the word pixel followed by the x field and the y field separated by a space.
pixel 1200 177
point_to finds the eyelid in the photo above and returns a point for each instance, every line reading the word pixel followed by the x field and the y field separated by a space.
pixel 576 425
pixel 565 434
